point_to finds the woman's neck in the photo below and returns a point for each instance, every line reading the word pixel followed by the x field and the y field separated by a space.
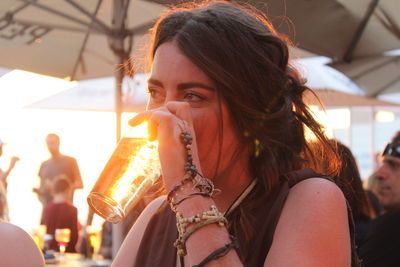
pixel 231 184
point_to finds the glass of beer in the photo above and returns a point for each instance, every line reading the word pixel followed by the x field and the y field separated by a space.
pixel 62 237
pixel 130 172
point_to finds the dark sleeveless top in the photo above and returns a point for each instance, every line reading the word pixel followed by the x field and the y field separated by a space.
pixel 157 249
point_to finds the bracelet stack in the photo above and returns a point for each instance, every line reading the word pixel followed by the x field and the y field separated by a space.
pixel 194 184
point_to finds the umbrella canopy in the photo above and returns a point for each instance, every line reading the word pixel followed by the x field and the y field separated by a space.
pixel 3 71
pixel 376 75
pixel 355 34
pixel 341 99
pixel 96 95
pixel 339 29
pixel 74 39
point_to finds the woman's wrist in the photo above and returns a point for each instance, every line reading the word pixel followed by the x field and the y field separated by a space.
pixel 195 205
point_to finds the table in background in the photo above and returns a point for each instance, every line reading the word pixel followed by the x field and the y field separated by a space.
pixel 76 260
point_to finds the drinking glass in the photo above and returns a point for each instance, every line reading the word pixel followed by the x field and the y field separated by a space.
pixel 132 169
pixel 94 236
pixel 62 237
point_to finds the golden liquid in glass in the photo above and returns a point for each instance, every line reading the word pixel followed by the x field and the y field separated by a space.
pixel 132 169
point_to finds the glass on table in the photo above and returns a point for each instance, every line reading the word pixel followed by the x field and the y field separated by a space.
pixel 62 237
pixel 94 236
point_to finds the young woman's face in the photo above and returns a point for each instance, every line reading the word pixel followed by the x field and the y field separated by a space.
pixel 175 78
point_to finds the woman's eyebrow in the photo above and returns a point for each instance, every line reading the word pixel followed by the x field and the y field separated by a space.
pixel 183 86
pixel 155 82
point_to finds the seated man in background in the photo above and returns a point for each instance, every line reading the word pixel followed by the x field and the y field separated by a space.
pixel 383 241
pixel 60 213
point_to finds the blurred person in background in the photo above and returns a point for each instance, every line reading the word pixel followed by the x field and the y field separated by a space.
pixel 382 243
pixel 4 174
pixel 57 164
pixel 388 176
pixel 60 213
pixel 349 180
pixel 17 248
pixel 4 212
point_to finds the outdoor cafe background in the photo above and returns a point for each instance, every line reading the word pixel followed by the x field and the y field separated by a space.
pixel 31 106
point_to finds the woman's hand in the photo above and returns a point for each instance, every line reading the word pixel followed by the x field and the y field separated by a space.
pixel 166 125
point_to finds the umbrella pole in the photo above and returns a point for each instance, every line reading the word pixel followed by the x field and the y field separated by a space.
pixel 117 237
pixel 117 45
pixel 119 77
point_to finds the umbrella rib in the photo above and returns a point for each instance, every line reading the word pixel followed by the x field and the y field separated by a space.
pixel 84 42
pixel 390 24
pixel 48 25
pixel 373 68
pixel 125 9
pixel 385 87
pixel 348 56
pixel 91 16
pixel 16 10
pixel 51 10
pixel 382 89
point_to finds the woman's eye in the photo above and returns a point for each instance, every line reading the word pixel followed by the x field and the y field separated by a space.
pixel 193 97
pixel 153 92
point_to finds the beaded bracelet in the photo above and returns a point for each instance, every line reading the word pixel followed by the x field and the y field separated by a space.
pixel 207 217
pixel 212 213
pixel 218 253
pixel 203 185
pixel 180 243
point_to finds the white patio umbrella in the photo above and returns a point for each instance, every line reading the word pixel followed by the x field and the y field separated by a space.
pixel 96 95
pixel 75 39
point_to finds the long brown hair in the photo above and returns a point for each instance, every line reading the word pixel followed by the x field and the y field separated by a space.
pixel 248 62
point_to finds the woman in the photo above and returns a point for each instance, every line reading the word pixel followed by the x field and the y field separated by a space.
pixel 220 76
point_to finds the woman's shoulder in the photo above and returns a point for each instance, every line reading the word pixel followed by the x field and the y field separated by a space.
pixel 312 227
pixel 318 187
pixel 18 248
pixel 317 195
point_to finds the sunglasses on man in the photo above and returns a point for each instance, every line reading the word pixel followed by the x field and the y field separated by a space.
pixel 392 149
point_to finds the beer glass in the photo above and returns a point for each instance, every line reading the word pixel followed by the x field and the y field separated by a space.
pixel 62 237
pixel 130 172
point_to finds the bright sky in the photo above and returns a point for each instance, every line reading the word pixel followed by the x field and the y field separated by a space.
pixel 88 136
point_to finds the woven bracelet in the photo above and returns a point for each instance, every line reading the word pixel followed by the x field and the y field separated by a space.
pixel 180 243
pixel 218 253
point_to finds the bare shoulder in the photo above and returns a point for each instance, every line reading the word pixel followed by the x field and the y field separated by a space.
pixel 312 227
pixel 317 188
pixel 18 248
pixel 127 253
